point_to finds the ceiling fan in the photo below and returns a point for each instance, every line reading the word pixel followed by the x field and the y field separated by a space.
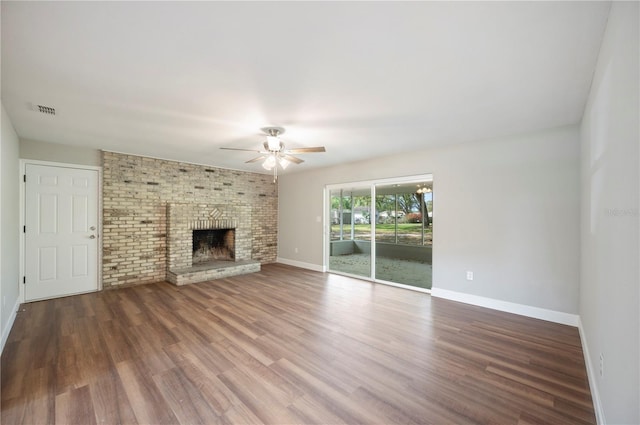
pixel 274 152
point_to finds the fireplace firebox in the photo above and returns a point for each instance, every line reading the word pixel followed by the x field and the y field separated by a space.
pixel 213 245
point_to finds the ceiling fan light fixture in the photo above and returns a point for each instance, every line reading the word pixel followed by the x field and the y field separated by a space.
pixel 273 143
pixel 269 162
pixel 284 163
pixel 274 153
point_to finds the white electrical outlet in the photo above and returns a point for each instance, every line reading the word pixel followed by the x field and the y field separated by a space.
pixel 601 365
pixel 469 275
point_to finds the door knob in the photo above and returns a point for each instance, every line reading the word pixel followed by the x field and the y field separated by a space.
pixel 92 237
pixel 92 227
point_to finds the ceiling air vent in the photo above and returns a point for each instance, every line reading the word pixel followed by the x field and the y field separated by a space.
pixel 46 110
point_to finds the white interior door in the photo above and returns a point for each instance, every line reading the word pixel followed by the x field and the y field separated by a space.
pixel 61 236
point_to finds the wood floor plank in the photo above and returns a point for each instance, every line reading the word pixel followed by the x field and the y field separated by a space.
pixel 240 414
pixel 74 407
pixel 217 395
pixel 286 345
pixel 257 397
pixel 16 363
pixel 110 402
pixel 383 407
pixel 324 392
pixel 277 387
pixel 187 402
pixel 147 402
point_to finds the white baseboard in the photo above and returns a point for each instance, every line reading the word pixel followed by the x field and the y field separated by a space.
pixel 9 325
pixel 509 307
pixel 301 264
pixel 591 376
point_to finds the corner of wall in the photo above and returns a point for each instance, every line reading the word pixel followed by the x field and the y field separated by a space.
pixel 591 376
pixel 9 224
pixel 6 329
pixel 301 264
pixel 609 294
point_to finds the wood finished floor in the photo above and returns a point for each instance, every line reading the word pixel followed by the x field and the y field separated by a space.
pixel 287 346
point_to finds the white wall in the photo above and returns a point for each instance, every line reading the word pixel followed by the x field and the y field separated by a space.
pixel 506 209
pixel 31 149
pixel 9 225
pixel 610 280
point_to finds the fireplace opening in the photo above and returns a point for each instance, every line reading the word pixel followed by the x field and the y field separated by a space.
pixel 213 245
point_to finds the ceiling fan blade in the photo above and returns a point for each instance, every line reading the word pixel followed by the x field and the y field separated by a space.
pixel 292 159
pixel 245 150
pixel 261 157
pixel 306 150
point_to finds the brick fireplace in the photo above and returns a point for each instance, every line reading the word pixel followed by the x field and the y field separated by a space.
pixel 223 231
pixel 136 194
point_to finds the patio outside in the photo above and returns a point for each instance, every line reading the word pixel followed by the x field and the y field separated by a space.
pixel 403 239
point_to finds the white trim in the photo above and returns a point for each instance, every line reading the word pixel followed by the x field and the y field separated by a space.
pixel 9 325
pixel 403 286
pixel 24 162
pixel 302 265
pixel 388 180
pixel 326 228
pixel 591 376
pixel 23 188
pixel 23 170
pixel 160 158
pixel 509 307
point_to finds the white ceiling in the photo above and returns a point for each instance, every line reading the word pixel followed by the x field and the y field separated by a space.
pixel 178 80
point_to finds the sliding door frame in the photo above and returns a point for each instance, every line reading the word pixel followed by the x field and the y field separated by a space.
pixel 372 188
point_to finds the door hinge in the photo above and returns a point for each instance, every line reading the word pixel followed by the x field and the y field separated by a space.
pixel 24 229
pixel 25 178
pixel 24 279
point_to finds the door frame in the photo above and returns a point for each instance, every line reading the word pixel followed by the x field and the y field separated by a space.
pixel 372 187
pixel 23 188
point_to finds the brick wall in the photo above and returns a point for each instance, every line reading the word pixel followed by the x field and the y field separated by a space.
pixel 136 191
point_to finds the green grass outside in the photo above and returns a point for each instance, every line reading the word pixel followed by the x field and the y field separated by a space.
pixel 408 233
pixel 403 228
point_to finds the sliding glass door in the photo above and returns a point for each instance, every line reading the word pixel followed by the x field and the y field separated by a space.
pixel 383 231
pixel 350 234
pixel 403 233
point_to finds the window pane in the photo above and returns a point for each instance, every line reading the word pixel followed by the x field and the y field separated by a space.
pixel 403 238
pixel 350 236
